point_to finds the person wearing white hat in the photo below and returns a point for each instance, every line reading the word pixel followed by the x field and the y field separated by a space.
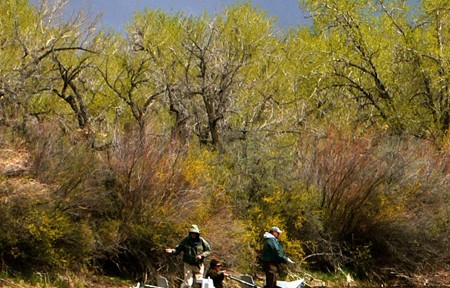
pixel 272 256
pixel 195 249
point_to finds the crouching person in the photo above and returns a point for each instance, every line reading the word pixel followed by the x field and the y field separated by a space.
pixel 216 274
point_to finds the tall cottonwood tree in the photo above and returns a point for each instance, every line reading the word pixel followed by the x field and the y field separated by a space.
pixel 19 62
pixel 206 65
pixel 222 56
pixel 388 61
pixel 129 76
pixel 425 50
pixel 51 57
pixel 53 72
pixel 356 68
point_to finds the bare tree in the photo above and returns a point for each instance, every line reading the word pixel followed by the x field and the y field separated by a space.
pixel 52 55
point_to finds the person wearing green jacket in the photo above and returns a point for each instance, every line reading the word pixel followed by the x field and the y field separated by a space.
pixel 195 249
pixel 272 256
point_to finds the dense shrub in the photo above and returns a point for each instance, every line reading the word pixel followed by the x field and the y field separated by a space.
pixel 379 201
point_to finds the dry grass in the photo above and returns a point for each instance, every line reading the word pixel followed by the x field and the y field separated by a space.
pixel 13 161
pixel 14 168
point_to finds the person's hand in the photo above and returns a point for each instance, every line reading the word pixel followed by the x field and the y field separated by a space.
pixel 290 261
pixel 170 250
pixel 199 256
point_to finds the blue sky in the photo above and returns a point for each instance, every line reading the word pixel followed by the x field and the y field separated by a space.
pixel 115 13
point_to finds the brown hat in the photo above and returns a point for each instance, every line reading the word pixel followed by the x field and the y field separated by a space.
pixel 214 263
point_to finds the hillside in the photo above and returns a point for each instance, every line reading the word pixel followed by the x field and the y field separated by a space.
pixel 17 183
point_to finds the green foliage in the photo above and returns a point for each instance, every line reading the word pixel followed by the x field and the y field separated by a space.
pixel 36 233
pixel 378 62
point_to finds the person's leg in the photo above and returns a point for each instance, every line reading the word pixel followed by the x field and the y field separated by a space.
pixel 198 271
pixel 188 276
pixel 202 269
pixel 271 272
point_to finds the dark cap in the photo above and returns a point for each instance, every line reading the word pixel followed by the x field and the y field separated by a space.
pixel 214 263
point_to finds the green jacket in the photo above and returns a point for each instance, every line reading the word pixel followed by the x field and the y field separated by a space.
pixel 272 250
pixel 192 248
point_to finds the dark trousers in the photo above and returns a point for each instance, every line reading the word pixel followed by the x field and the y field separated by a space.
pixel 271 271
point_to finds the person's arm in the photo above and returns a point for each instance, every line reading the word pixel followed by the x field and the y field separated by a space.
pixel 215 275
pixel 278 252
pixel 206 248
pixel 281 256
pixel 177 250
